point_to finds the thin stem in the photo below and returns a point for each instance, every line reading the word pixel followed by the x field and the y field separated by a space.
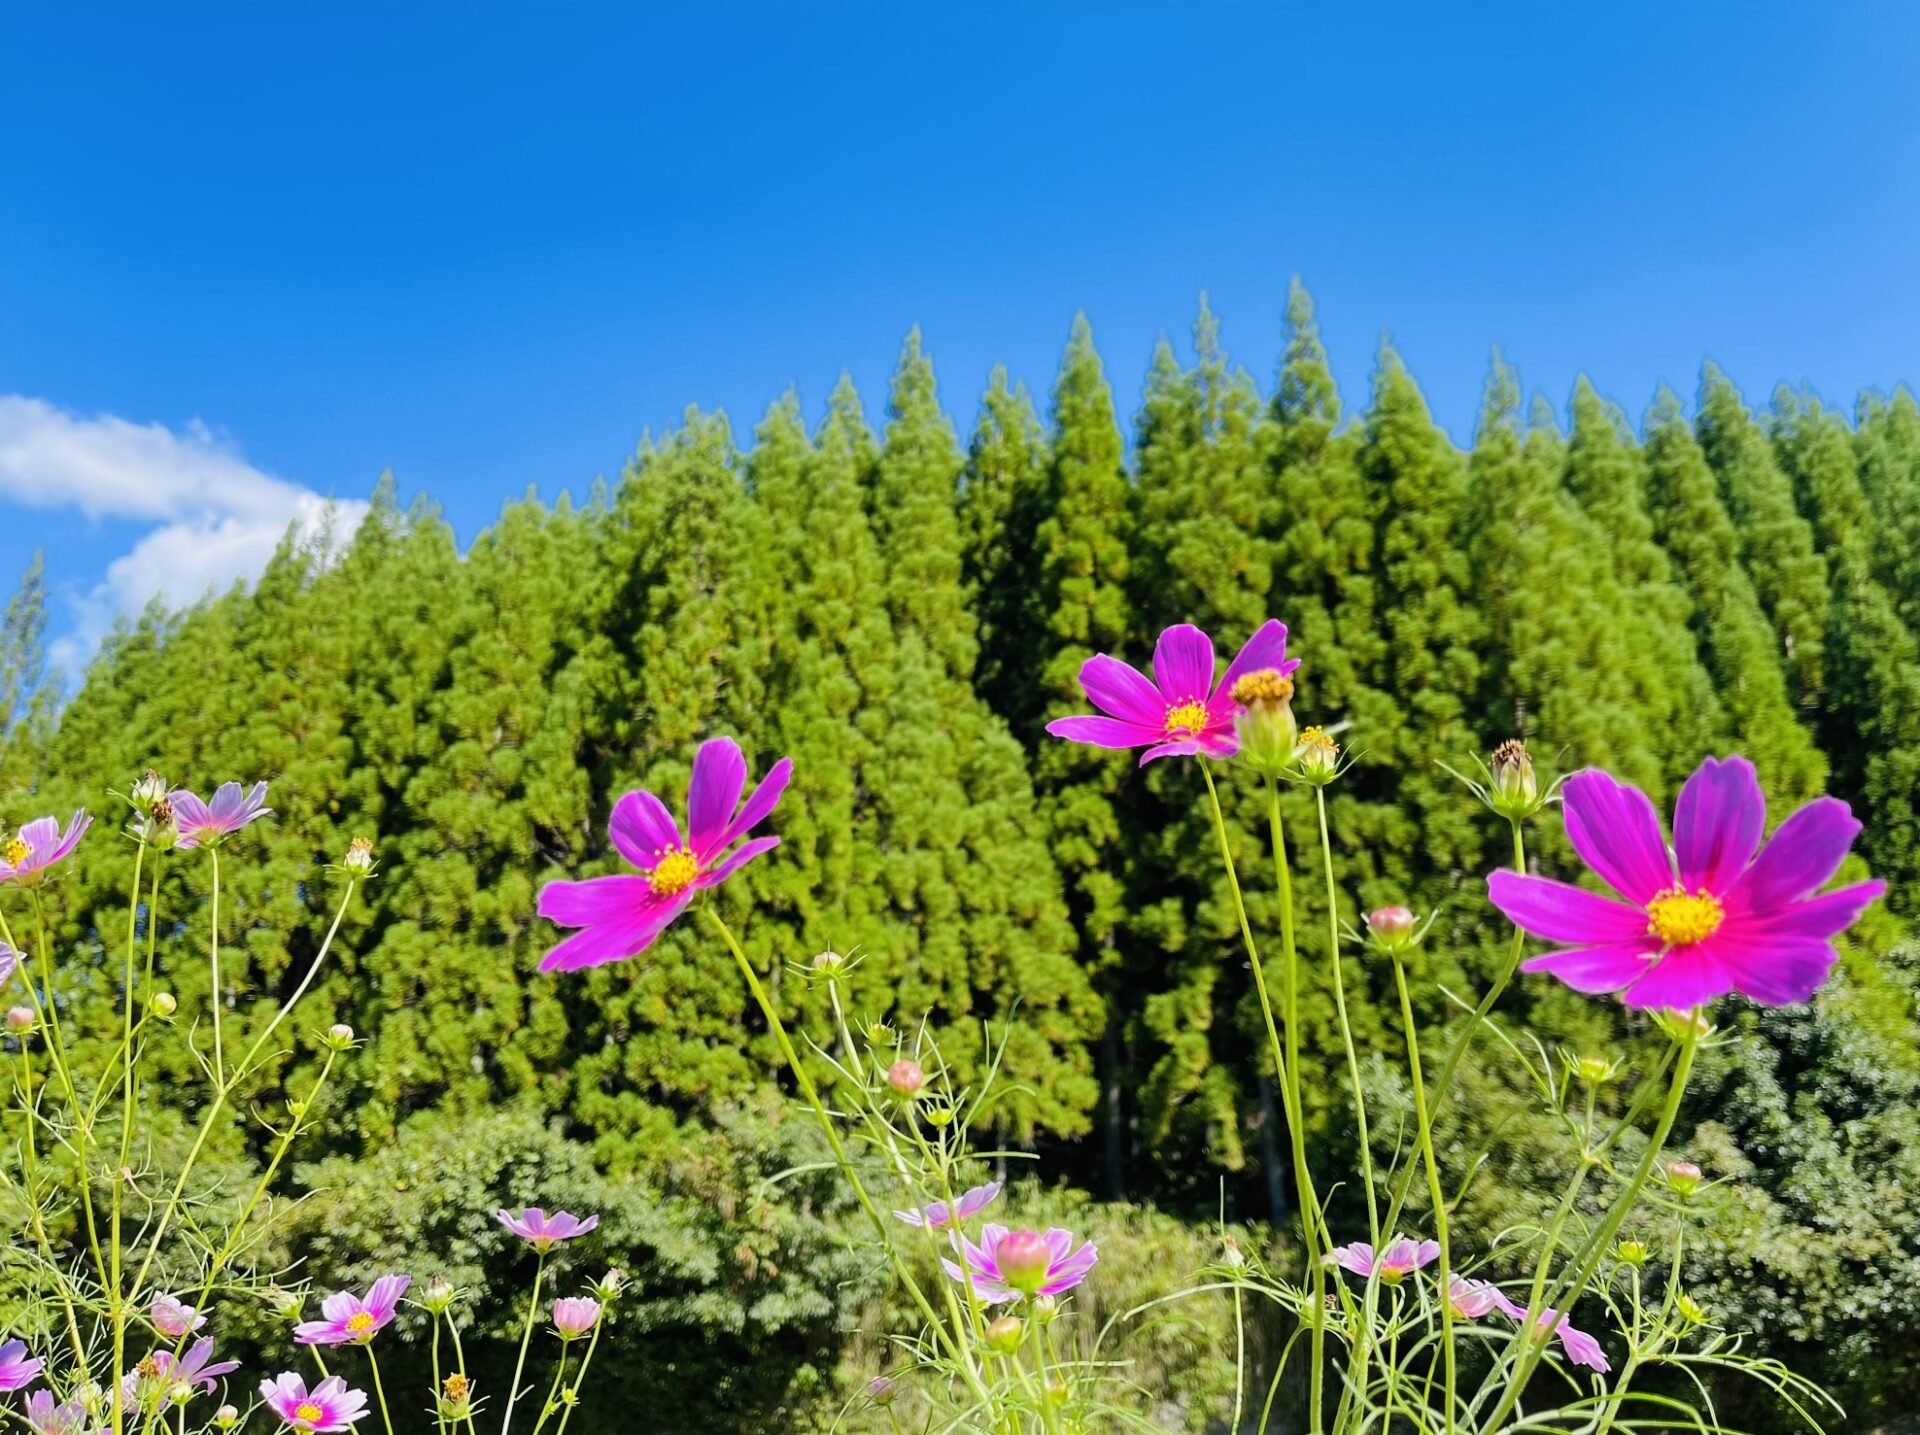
pixel 812 1095
pixel 526 1336
pixel 219 1070
pixel 1424 1117
pixel 379 1393
pixel 31 1161
pixel 553 1389
pixel 116 1298
pixel 580 1377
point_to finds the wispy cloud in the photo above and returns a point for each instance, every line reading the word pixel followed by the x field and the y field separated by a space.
pixel 217 517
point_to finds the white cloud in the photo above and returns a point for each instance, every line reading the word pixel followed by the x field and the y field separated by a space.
pixel 219 518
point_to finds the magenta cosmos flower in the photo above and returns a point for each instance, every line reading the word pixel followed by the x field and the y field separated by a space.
pixel 1719 913
pixel 544 1232
pixel 1472 1299
pixel 26 856
pixel 970 1203
pixel 1581 1348
pixel 621 916
pixel 15 1369
pixel 203 824
pixel 1181 710
pixel 159 1373
pixel 1009 1264
pixel 349 1319
pixel 1400 1259
pixel 330 1405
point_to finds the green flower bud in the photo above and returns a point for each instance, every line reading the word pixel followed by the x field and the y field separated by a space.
pixel 1683 1178
pixel 1263 721
pixel 1516 791
pixel 1317 756
pixel 1632 1253
pixel 164 1004
pixel 1003 1335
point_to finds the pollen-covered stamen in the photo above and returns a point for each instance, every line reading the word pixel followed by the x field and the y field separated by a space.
pixel 360 1322
pixel 307 1413
pixel 674 872
pixel 1263 685
pixel 13 852
pixel 1188 719
pixel 1680 918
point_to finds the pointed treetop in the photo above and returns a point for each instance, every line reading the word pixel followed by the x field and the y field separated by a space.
pixel 1306 392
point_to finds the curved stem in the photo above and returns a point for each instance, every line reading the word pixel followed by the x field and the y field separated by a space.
pixel 379 1392
pixel 1423 1116
pixel 526 1337
pixel 812 1095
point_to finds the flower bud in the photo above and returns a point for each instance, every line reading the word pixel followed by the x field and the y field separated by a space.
pixel 1044 1308
pixel 574 1316
pixel 226 1417
pixel 1595 1070
pixel 1691 1311
pixel 880 1390
pixel 1004 1334
pixel 1516 791
pixel 1233 1255
pixel 1393 929
pixel 436 1296
pixel 285 1303
pixel 1056 1391
pixel 829 962
pixel 879 1034
pixel 164 1004
pixel 1632 1253
pixel 20 1020
pixel 1317 756
pixel 160 829
pixel 151 788
pixel 339 1036
pixel 906 1077
pixel 609 1285
pixel 1024 1259
pixel 456 1397
pixel 939 1116
pixel 179 1393
pixel 1263 721
pixel 1683 1178
pixel 359 856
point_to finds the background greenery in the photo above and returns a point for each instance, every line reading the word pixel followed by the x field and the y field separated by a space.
pixel 901 609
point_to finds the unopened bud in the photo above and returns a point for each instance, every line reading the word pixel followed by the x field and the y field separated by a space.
pixel 828 961
pixel 285 1303
pixel 906 1077
pixel 1004 1334
pixel 296 1109
pixel 610 1284
pixel 179 1393
pixel 1317 756
pixel 1691 1311
pixel 151 788
pixel 1263 721
pixel 1392 929
pixel 1516 791
pixel 1044 1308
pixel 1683 1177
pixel 879 1034
pixel 20 1020
pixel 359 856
pixel 880 1390
pixel 1056 1391
pixel 339 1036
pixel 1234 1256
pixel 1596 1070
pixel 164 1004
pixel 226 1417
pixel 436 1296
pixel 1632 1253
pixel 939 1116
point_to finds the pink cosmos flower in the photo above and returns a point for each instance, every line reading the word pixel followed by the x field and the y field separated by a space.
pixel 203 824
pixel 1581 1348
pixel 26 856
pixel 621 916
pixel 1719 913
pixel 544 1232
pixel 9 962
pixel 574 1316
pixel 173 1319
pixel 349 1319
pixel 1009 1264
pixel 45 1417
pixel 16 1371
pixel 159 1373
pixel 971 1203
pixel 1472 1299
pixel 1401 1258
pixel 1182 710
pixel 329 1406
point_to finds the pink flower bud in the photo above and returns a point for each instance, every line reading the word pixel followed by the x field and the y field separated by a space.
pixel 906 1077
pixel 574 1316
pixel 1392 928
pixel 1024 1259
pixel 20 1019
pixel 1683 1177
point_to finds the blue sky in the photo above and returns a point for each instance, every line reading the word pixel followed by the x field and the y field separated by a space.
pixel 253 255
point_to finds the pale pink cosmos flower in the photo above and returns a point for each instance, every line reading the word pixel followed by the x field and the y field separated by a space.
pixel 351 1319
pixel 173 1318
pixel 970 1203
pixel 45 1417
pixel 16 1371
pixel 26 856
pixel 1181 710
pixel 574 1316
pixel 1006 1264
pixel 9 962
pixel 331 1405
pixel 1581 1348
pixel 544 1232
pixel 621 916
pixel 203 824
pixel 1401 1258
pixel 159 1373
pixel 1472 1299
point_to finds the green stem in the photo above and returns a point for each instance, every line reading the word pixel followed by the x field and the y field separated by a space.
pixel 379 1392
pixel 1423 1117
pixel 580 1379
pixel 526 1337
pixel 553 1389
pixel 1532 1346
pixel 116 1297
pixel 31 1161
pixel 219 1070
pixel 812 1095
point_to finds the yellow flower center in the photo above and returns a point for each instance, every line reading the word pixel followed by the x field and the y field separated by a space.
pixel 675 872
pixel 360 1322
pixel 1188 719
pixel 1263 685
pixel 14 852
pixel 1680 918
pixel 307 1413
